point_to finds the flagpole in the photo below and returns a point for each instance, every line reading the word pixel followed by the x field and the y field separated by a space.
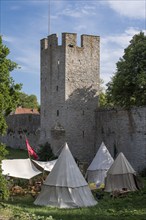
pixel 49 20
pixel 26 146
pixel 31 151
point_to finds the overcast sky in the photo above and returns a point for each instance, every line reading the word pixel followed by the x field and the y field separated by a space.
pixel 24 23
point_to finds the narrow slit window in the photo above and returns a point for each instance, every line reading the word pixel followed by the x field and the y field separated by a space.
pixel 57 112
pixel 83 134
pixel 56 88
pixel 58 63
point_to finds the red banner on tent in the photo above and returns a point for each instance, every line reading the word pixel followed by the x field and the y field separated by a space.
pixel 31 152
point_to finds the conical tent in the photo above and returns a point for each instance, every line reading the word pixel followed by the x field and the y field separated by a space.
pixel 98 168
pixel 65 187
pixel 121 175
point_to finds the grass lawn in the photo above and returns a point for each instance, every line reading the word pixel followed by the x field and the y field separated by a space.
pixel 130 207
pixel 16 153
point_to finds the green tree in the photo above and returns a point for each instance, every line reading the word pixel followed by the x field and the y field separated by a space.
pixel 28 101
pixel 9 93
pixel 102 95
pixel 4 192
pixel 128 86
pixel 45 152
pixel 102 99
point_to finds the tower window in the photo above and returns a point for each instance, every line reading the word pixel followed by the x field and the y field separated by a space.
pixel 83 134
pixel 83 112
pixel 58 63
pixel 57 112
pixel 56 88
pixel 71 45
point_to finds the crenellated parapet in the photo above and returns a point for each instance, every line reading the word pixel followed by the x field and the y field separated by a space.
pixel 50 41
pixel 44 43
pixel 70 40
pixel 89 40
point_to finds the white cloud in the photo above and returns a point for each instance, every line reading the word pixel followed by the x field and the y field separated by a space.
pixel 129 8
pixel 26 55
pixel 78 10
pixel 71 13
pixel 123 39
pixel 112 48
pixel 28 60
pixel 80 28
pixel 53 17
pixel 8 39
pixel 15 8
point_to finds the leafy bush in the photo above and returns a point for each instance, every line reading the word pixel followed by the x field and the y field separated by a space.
pixel 45 152
pixel 28 216
pixel 143 172
pixel 4 192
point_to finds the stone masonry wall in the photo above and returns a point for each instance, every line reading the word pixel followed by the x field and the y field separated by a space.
pixel 52 84
pixel 69 93
pixel 19 126
pixel 82 87
pixel 123 131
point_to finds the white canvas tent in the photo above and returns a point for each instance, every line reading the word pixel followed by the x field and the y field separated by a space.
pixel 121 175
pixel 98 168
pixel 45 165
pixel 65 187
pixel 19 168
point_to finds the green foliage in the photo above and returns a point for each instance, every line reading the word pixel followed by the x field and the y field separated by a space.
pixel 45 152
pixel 143 172
pixel 4 192
pixel 26 216
pixel 130 207
pixel 9 91
pixel 103 100
pixel 102 95
pixel 3 152
pixel 18 213
pixel 128 86
pixel 16 153
pixel 28 101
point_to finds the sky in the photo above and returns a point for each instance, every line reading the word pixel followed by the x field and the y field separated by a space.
pixel 23 23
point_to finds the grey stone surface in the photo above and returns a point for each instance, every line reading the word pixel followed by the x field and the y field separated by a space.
pixel 123 131
pixel 69 93
pixel 19 126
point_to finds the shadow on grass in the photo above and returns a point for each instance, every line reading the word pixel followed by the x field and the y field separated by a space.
pixel 131 207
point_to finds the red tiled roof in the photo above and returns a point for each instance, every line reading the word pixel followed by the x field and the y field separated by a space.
pixel 25 111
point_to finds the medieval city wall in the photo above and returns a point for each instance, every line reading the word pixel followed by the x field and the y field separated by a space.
pixel 123 131
pixel 69 107
pixel 19 126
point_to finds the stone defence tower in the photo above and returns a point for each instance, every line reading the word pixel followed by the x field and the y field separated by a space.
pixel 69 93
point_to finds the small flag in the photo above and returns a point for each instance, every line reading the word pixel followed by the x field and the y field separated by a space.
pixel 31 151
